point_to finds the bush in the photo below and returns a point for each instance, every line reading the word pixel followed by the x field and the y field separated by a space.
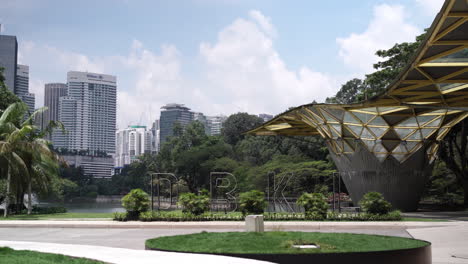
pixel 118 216
pixel 194 204
pixel 315 205
pixel 252 202
pixel 48 210
pixel 135 202
pixel 374 203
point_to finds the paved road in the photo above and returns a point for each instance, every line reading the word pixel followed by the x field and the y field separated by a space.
pixel 135 238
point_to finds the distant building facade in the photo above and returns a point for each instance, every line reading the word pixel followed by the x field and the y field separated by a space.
pixel 170 115
pixel 88 113
pixel 131 143
pixel 9 59
pixel 52 94
pixel 98 167
pixel 216 124
pixel 265 117
pixel 22 87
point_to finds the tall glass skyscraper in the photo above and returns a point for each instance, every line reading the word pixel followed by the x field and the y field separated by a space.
pixel 171 114
pixel 22 86
pixel 9 59
pixel 52 94
pixel 88 113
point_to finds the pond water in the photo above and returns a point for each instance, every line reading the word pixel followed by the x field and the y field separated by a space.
pixel 88 207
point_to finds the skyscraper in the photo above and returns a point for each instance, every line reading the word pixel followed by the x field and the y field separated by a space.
pixel 88 113
pixel 170 115
pixel 9 59
pixel 131 142
pixel 155 136
pixel 200 117
pixel 52 94
pixel 216 124
pixel 22 86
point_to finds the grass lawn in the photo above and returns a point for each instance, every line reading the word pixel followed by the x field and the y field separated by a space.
pixel 10 256
pixel 57 216
pixel 280 242
pixel 417 219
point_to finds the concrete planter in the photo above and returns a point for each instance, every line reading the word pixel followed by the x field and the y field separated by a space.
pixel 421 255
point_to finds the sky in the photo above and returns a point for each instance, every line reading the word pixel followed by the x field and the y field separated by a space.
pixel 214 56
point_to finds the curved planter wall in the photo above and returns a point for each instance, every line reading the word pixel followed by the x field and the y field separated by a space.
pixel 420 255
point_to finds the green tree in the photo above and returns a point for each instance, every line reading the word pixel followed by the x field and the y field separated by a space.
pixel 236 125
pixel 315 205
pixel 6 96
pixel 349 93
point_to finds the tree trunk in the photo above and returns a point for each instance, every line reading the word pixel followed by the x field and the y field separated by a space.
pixel 7 198
pixel 465 191
pixel 29 198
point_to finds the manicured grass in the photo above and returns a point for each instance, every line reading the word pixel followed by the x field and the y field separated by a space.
pixel 10 256
pixel 417 219
pixel 57 216
pixel 280 242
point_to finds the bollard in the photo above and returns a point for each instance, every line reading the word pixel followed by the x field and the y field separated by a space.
pixel 254 223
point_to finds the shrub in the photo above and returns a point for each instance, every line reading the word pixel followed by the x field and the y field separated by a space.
pixel 374 203
pixel 118 216
pixel 315 205
pixel 252 202
pixel 194 204
pixel 48 210
pixel 135 202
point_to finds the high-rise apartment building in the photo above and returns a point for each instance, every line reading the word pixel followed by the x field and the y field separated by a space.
pixel 216 124
pixel 22 87
pixel 88 113
pixel 9 59
pixel 155 136
pixel 200 117
pixel 170 115
pixel 131 143
pixel 52 94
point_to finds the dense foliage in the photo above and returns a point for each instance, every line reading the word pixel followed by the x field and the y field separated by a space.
pixel 375 203
pixel 135 202
pixel 252 202
pixel 315 205
pixel 194 204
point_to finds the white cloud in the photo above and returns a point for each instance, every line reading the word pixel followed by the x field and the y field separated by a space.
pixel 387 27
pixel 246 73
pixel 431 7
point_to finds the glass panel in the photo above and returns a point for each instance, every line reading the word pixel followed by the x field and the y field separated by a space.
pixel 460 56
pixel 379 148
pixel 370 109
pixel 325 129
pixel 363 117
pixel 387 109
pixel 348 118
pixel 400 149
pixel 378 131
pixel 335 134
pixel 347 147
pixel 328 117
pixel 356 129
pixel 339 145
pixel 424 119
pixel 381 157
pixel 351 143
pixel 403 132
pixel 410 122
pixel 337 113
pixel 378 121
pixel 337 128
pixel 367 134
pixel 427 132
pixel 415 136
pixel 435 123
pixel 411 144
pixel 442 133
pixel 369 143
pixel 399 157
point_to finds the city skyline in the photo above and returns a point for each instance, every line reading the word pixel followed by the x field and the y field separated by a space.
pixel 221 57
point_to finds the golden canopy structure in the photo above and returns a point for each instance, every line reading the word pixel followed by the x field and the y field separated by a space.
pixel 388 143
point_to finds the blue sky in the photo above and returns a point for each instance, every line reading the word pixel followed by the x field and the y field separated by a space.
pixel 216 56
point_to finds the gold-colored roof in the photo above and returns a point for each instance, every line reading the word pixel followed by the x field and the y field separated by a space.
pixel 434 83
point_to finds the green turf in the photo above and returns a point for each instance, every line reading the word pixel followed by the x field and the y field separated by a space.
pixel 417 219
pixel 280 242
pixel 10 256
pixel 57 216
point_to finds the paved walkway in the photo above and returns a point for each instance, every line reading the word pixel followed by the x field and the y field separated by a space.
pixel 449 239
pixel 124 256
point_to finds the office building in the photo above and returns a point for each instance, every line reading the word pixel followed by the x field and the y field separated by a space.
pixel 131 143
pixel 170 115
pixel 88 113
pixel 216 124
pixel 52 94
pixel 97 167
pixel 200 117
pixel 155 137
pixel 9 60
pixel 22 87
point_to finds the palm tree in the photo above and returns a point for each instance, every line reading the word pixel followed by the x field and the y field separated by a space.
pixel 10 157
